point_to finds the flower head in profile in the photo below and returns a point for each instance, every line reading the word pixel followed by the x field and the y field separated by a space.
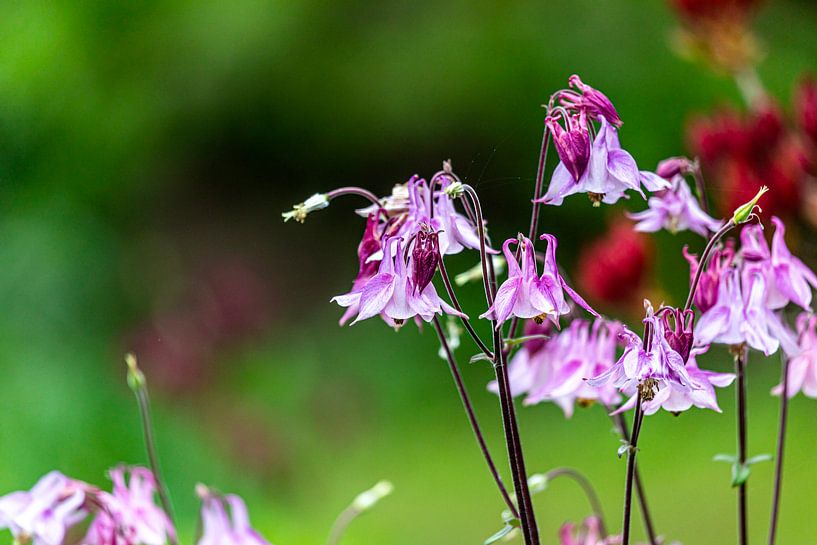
pixel 675 209
pixel 589 101
pixel 44 514
pixel 129 515
pixel 525 294
pixel 676 400
pixel 225 521
pixel 802 375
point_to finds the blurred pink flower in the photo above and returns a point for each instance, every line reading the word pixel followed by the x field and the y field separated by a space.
pixel 221 528
pixel 803 365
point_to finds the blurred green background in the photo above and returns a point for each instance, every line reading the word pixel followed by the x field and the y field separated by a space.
pixel 146 152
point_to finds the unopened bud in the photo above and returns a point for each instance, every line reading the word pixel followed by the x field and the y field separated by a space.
pixel 669 168
pixel 745 212
pixel 368 499
pixel 299 212
pixel 136 379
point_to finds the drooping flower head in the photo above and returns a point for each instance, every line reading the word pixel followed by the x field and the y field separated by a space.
pixel 44 514
pixel 802 375
pixel 129 514
pixel 678 329
pixel 524 366
pixel 675 209
pixel 592 102
pixel 525 294
pixel 572 143
pixel 225 521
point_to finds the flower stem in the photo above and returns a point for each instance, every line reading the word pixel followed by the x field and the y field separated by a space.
pixel 707 253
pixel 586 486
pixel 700 185
pixel 621 424
pixel 472 418
pixel 359 191
pixel 449 287
pixel 741 354
pixel 341 523
pixel 628 483
pixel 781 440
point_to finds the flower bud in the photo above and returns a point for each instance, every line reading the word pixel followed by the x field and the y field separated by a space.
pixel 366 500
pixel 669 168
pixel 745 212
pixel 426 256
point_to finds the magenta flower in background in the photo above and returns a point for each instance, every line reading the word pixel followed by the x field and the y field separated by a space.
pixel 675 209
pixel 588 534
pixel 527 295
pixel 129 515
pixel 803 364
pixel 46 512
pixel 709 284
pixel 741 315
pixel 580 351
pixel 222 528
pixel 676 400
pixel 656 362
pixel 391 293
pixel 525 364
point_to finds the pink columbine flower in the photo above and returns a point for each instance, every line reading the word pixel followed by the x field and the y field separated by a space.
pixel 646 363
pixel 788 278
pixel 803 365
pixel 222 528
pixel 525 365
pixel 561 368
pixel 369 245
pixel 129 515
pixel 46 512
pixel 676 400
pixel 675 209
pixel 590 100
pixel 709 284
pixel 527 295
pixel 609 173
pixel 741 315
pixel 392 294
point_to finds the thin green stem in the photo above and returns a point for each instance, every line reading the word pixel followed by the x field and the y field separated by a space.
pixel 586 486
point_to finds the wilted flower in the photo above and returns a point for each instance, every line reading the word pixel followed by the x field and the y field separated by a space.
pixel 675 209
pixel 676 400
pixel 46 512
pixel 525 294
pixel 221 528
pixel 706 293
pixel 803 365
pixel 129 515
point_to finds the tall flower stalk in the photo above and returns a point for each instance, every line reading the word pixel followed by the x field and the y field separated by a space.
pixel 781 443
pixel 740 354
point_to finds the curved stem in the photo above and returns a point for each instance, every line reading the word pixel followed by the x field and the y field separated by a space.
pixel 628 483
pixel 649 528
pixel 741 354
pixel 350 190
pixel 587 487
pixel 472 418
pixel 455 302
pixel 707 253
pixel 700 185
pixel 781 440
pixel 341 523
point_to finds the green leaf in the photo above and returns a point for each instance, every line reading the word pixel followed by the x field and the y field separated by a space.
pixel 479 357
pixel 759 458
pixel 507 529
pixel 730 458
pixel 519 340
pixel 740 474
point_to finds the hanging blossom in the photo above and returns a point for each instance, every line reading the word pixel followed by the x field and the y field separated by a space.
pixel 709 284
pixel 44 514
pixel 675 209
pixel 222 528
pixel 596 166
pixel 129 515
pixel 677 400
pixel 394 292
pixel 525 294
pixel 558 371
pixel 647 365
pixel 802 375
pixel 524 365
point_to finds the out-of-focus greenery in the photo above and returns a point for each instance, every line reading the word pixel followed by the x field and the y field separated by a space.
pixel 143 146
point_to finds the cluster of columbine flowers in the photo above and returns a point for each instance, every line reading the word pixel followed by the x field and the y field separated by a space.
pixel 568 353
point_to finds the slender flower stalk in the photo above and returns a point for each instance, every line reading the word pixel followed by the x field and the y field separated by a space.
pixel 359 191
pixel 472 418
pixel 587 488
pixel 781 441
pixel 741 353
pixel 137 383
pixel 449 287
pixel 362 503
pixel 628 484
pixel 707 253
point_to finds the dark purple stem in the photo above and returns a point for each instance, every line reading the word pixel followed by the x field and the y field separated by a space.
pixel 359 191
pixel 472 418
pixel 455 302
pixel 628 483
pixel 741 354
pixel 710 245
pixel 781 441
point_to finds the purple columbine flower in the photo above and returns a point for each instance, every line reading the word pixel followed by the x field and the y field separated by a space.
pixel 646 364
pixel 525 294
pixel 572 144
pixel 707 293
pixel 610 172
pixel 129 515
pixel 524 365
pixel 425 257
pixel 741 315
pixel 678 330
pixel 592 101
pixel 673 166
pixel 675 209
pixel 392 294
pixel 803 365
pixel 677 400
pixel 369 245
pixel 580 351
pixel 45 513
pixel 222 528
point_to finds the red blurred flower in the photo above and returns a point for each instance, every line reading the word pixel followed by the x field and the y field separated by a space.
pixel 805 107
pixel 713 9
pixel 613 268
